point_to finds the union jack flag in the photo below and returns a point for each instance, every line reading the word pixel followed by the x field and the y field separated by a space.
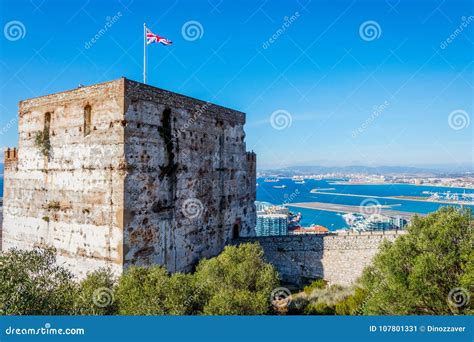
pixel 151 38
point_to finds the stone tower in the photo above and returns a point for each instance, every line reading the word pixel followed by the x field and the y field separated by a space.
pixel 123 173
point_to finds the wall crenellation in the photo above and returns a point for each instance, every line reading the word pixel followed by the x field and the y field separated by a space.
pixel 10 158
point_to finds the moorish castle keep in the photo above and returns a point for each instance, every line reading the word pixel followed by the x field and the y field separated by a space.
pixel 124 173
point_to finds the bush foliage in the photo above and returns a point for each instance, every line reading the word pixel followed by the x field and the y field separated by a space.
pixel 240 276
pixel 95 294
pixel 237 282
pixel 32 284
pixel 428 271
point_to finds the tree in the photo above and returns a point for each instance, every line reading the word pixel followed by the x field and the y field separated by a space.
pixel 96 294
pixel 183 295
pixel 427 271
pixel 32 284
pixel 237 302
pixel 142 291
pixel 152 291
pixel 237 282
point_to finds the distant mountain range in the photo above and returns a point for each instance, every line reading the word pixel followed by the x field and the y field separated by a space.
pixel 381 170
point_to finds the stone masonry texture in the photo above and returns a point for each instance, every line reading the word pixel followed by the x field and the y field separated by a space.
pixel 133 175
pixel 336 258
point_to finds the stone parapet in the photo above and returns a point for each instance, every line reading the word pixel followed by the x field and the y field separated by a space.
pixel 339 258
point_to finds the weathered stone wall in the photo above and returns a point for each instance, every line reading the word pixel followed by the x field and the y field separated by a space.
pixel 337 258
pixel 73 198
pixel 156 178
pixel 188 186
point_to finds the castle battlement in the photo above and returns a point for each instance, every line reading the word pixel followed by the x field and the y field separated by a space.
pixel 251 157
pixel 10 156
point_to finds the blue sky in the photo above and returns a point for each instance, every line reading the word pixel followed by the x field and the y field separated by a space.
pixel 399 94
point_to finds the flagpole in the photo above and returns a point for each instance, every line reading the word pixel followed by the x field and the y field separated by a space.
pixel 144 53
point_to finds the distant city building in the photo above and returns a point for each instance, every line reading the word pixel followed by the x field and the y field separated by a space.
pixel 398 222
pixel 314 229
pixel 373 222
pixel 268 208
pixel 271 224
pixel 271 219
pixel 262 206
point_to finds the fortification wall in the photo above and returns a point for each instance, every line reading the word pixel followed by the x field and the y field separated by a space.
pixel 337 258
pixel 188 185
pixel 71 199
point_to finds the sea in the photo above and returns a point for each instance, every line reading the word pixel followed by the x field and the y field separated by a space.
pixel 294 193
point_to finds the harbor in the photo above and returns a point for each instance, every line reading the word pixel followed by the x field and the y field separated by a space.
pixel 348 209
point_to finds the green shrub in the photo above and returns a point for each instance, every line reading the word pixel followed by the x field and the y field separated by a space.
pixel 142 291
pixel 183 295
pixel 240 273
pixel 237 302
pixel 32 284
pixel 420 271
pixel 321 301
pixel 237 282
pixel 96 294
pixel 352 305
pixel 317 284
pixel 298 304
pixel 42 142
pixel 319 308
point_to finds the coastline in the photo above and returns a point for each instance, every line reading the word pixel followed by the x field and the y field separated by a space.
pixel 395 198
pixel 343 208
pixel 388 183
